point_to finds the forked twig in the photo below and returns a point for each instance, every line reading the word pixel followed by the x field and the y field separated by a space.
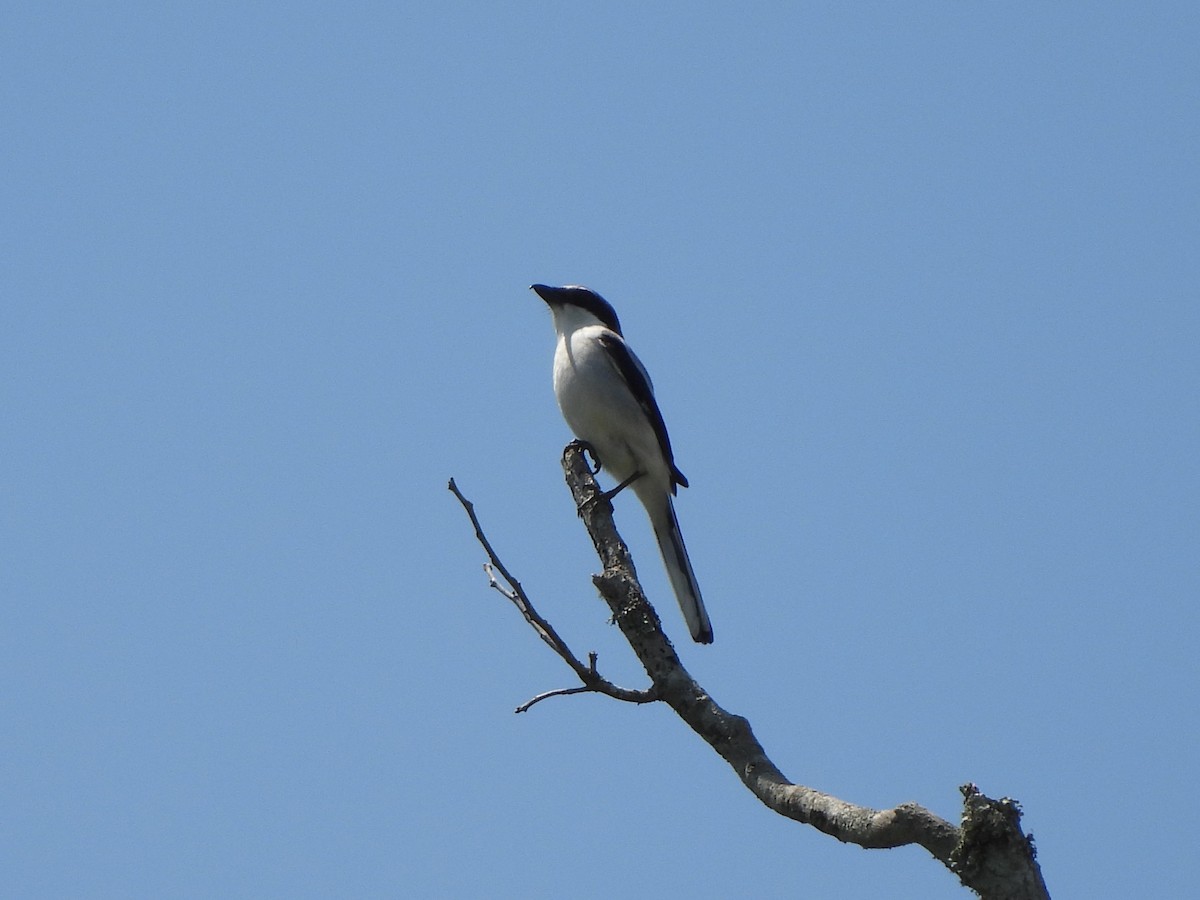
pixel 592 681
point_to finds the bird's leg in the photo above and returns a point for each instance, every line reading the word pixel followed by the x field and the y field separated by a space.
pixel 608 495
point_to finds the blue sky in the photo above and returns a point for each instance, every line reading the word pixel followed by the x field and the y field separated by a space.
pixel 918 287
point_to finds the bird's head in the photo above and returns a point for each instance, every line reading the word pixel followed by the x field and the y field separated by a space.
pixel 579 300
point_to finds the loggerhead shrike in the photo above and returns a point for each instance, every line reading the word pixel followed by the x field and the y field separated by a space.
pixel 608 401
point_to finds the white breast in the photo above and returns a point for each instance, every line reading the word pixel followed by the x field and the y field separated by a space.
pixel 600 409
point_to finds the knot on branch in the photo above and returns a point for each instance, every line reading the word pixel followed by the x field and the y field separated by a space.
pixel 992 849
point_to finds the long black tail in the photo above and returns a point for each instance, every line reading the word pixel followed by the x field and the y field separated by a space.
pixel 679 570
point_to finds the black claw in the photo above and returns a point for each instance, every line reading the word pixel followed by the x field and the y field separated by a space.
pixel 588 450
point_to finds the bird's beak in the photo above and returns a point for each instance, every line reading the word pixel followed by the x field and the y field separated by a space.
pixel 546 292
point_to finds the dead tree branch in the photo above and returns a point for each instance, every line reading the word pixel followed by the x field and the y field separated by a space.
pixel 988 852
pixel 592 682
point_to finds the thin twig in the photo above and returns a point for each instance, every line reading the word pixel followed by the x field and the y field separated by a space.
pixel 560 692
pixel 592 681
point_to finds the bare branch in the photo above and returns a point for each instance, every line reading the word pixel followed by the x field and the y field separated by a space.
pixel 989 853
pixel 593 682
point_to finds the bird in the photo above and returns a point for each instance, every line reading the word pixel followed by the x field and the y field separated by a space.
pixel 607 399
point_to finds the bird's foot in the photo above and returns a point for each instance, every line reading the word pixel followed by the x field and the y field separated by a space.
pixel 588 450
pixel 606 496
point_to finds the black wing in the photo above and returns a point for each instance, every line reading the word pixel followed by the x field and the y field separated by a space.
pixel 639 384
